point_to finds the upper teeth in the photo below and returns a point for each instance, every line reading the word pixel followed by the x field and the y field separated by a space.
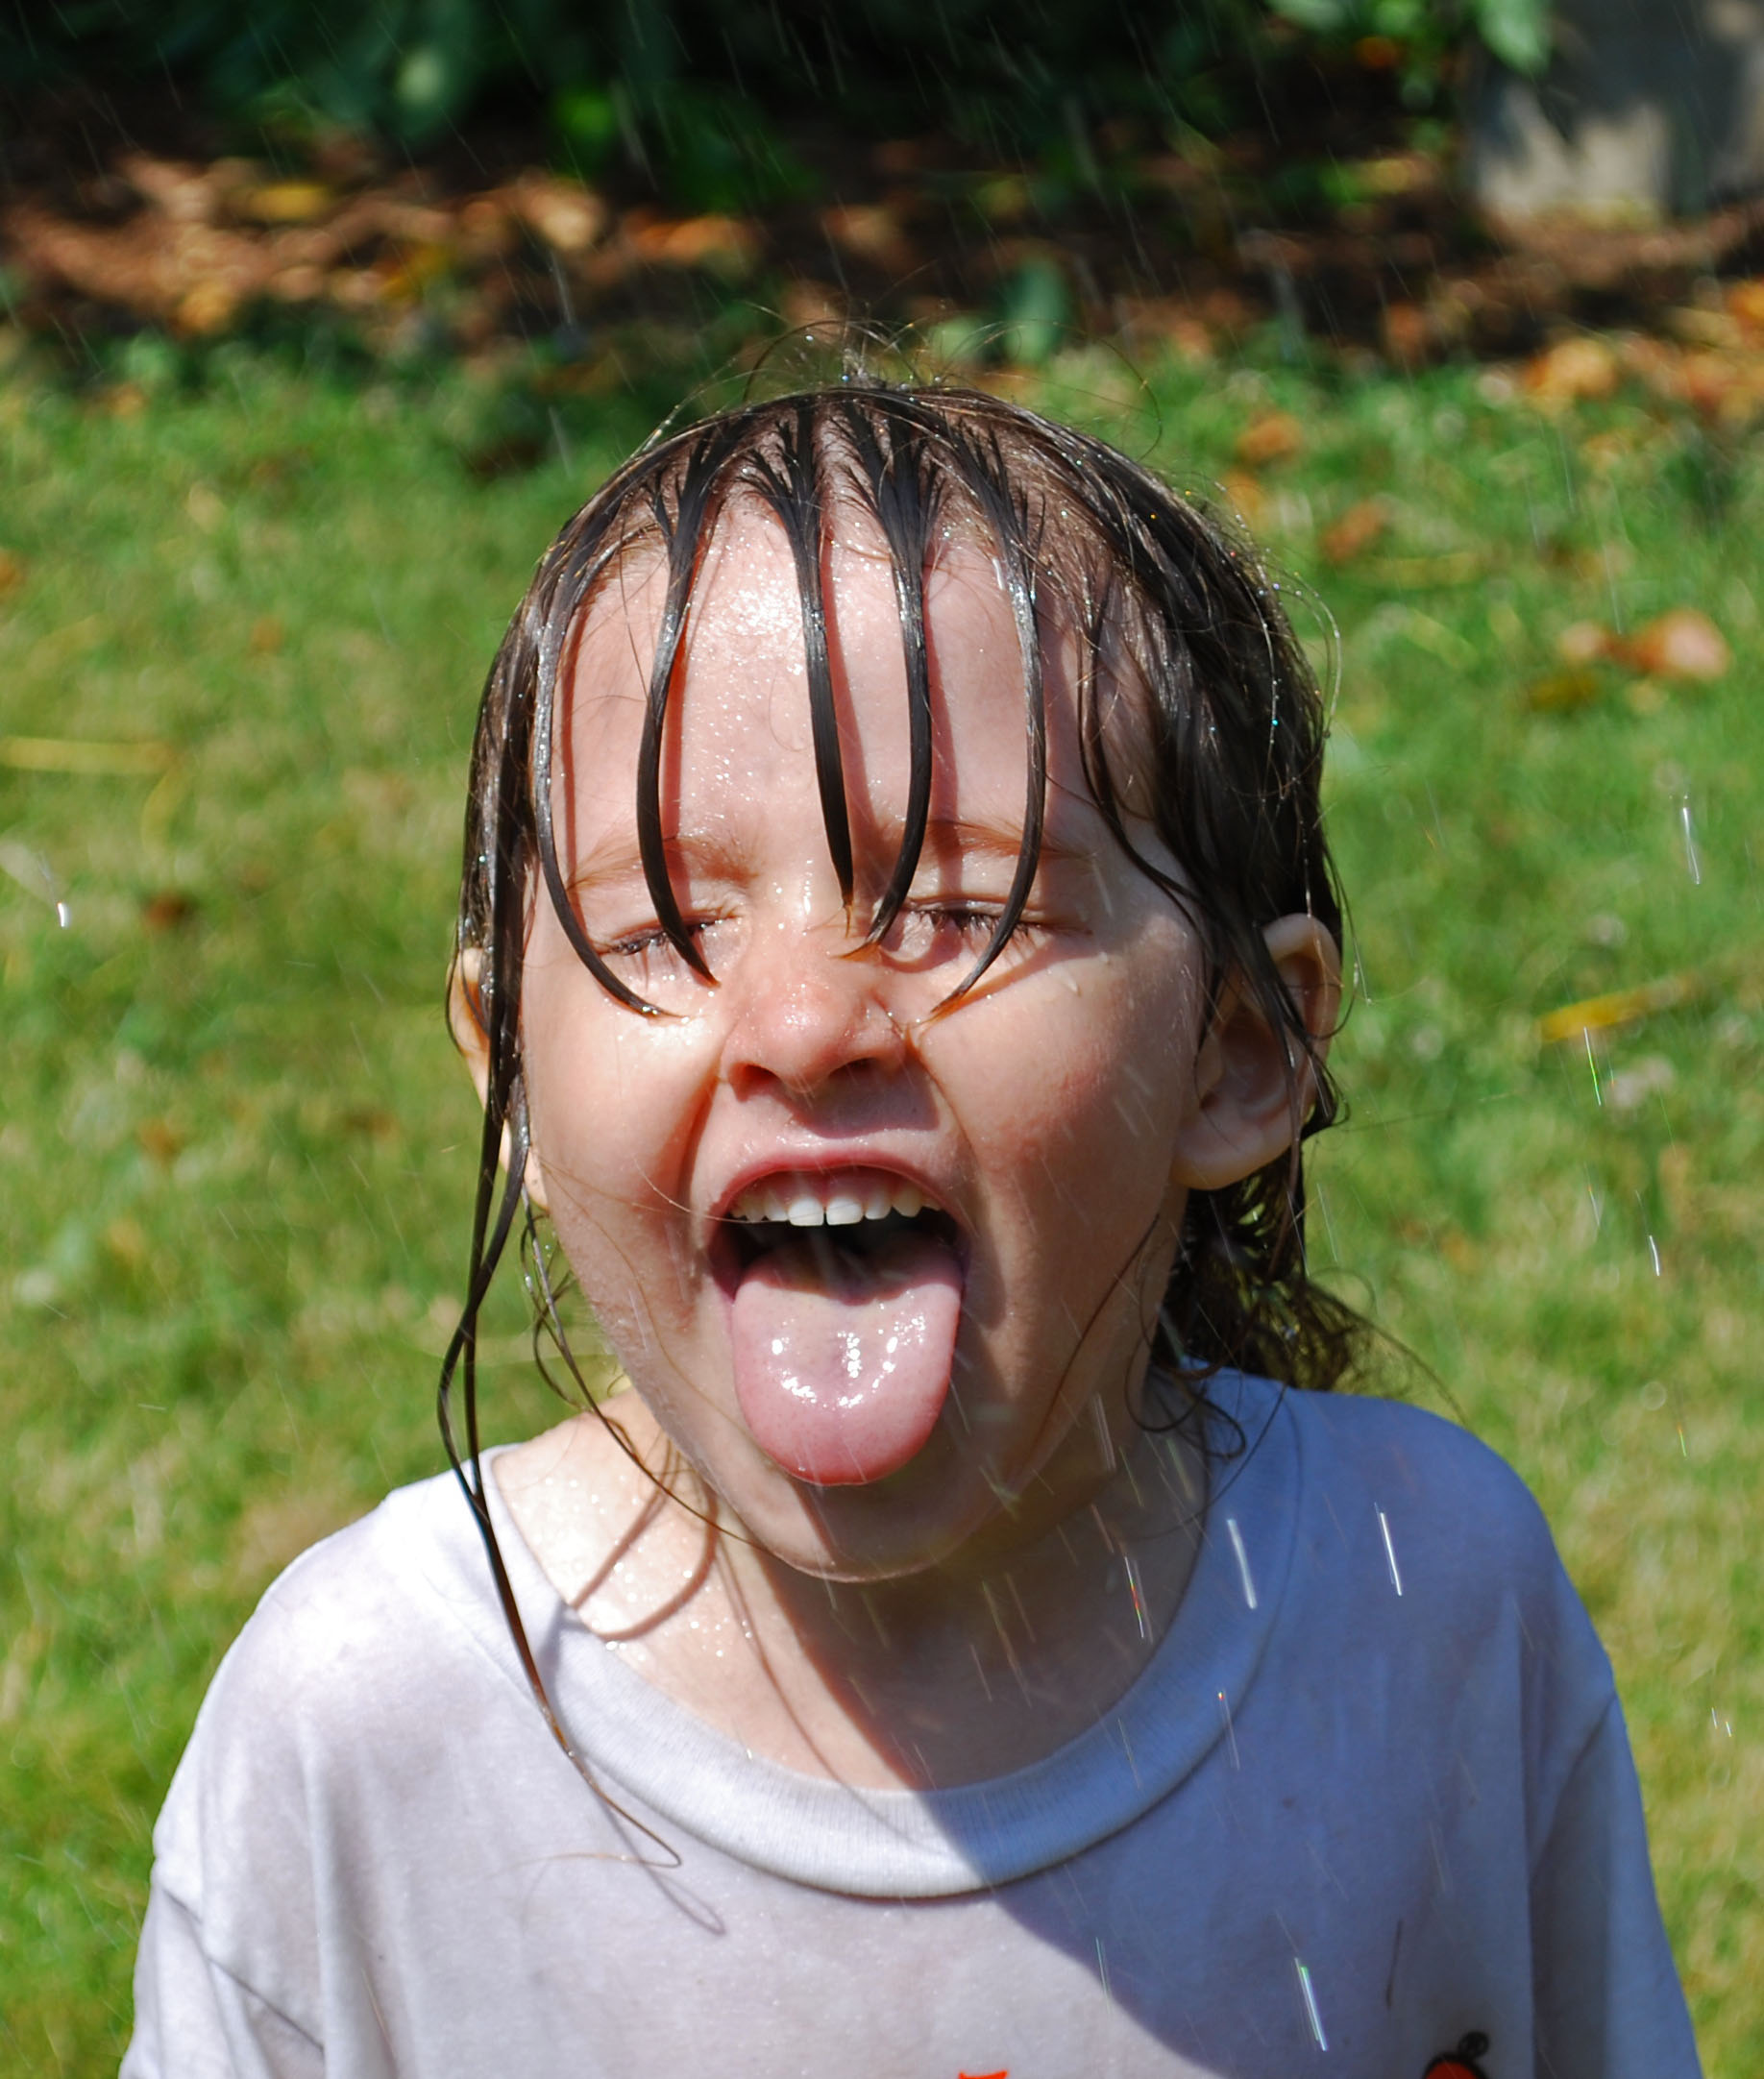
pixel 801 1201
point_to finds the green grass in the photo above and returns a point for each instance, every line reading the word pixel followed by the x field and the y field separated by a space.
pixel 238 1149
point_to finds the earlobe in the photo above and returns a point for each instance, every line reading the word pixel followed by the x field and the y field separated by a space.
pixel 1254 1086
pixel 465 1019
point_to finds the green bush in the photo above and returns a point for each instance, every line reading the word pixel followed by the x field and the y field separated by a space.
pixel 684 87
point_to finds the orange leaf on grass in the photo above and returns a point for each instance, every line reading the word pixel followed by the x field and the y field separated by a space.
pixel 1356 531
pixel 1271 436
pixel 1570 371
pixel 1682 644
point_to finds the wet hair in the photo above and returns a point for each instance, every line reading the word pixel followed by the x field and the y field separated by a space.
pixel 1222 757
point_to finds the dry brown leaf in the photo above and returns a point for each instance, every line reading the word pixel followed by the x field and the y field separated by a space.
pixel 1582 643
pixel 1562 691
pixel 1570 371
pixel 167 907
pixel 1408 334
pixel 725 244
pixel 1746 301
pixel 1682 644
pixel 566 215
pixel 870 231
pixel 1356 531
pixel 285 202
pixel 11 571
pixel 1271 436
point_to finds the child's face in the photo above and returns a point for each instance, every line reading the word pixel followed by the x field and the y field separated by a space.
pixel 870 1393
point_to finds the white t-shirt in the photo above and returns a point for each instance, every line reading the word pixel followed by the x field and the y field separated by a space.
pixel 1372 1796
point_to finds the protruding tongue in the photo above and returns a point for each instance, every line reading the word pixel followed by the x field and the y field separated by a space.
pixel 843 1357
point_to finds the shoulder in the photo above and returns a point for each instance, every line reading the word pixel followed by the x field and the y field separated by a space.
pixel 1438 1543
pixel 1415 1458
pixel 344 1675
pixel 349 1615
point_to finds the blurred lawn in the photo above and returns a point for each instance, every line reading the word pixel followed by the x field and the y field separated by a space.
pixel 236 1149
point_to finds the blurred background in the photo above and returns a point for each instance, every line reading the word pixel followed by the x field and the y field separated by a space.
pixel 318 319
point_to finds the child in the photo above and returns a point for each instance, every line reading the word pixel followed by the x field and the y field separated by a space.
pixel 898 954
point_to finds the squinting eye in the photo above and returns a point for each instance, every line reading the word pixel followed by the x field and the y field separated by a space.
pixel 946 931
pixel 652 952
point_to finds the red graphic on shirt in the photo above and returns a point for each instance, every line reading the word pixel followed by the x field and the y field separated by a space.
pixel 983 2075
pixel 1461 2062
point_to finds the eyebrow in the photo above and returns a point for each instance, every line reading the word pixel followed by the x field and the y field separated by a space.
pixel 996 837
pixel 620 858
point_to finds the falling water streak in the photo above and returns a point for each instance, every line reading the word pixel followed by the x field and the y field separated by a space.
pixel 1244 1567
pixel 1104 1440
pixel 1654 1249
pixel 1231 1731
pixel 1691 861
pixel 1597 1207
pixel 1004 1640
pixel 1396 1579
pixel 1136 1591
pixel 1102 1971
pixel 1592 1062
pixel 1320 1199
pixel 1133 1767
pixel 64 915
pixel 1310 2004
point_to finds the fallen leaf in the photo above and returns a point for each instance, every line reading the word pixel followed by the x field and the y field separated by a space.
pixel 160 1141
pixel 1271 436
pixel 1582 643
pixel 1561 690
pixel 870 231
pixel 1621 1007
pixel 1699 327
pixel 1682 644
pixel 1408 334
pixel 1746 301
pixel 1356 531
pixel 725 244
pixel 167 907
pixel 1571 371
pixel 206 308
pixel 566 215
pixel 11 571
pixel 285 202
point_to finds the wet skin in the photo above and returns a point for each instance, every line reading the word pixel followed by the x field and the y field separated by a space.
pixel 1059 1116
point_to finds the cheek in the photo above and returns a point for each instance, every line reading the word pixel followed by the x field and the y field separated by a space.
pixel 1080 1095
pixel 615 1106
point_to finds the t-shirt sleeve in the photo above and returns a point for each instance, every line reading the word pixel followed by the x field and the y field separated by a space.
pixel 194 2021
pixel 1607 2000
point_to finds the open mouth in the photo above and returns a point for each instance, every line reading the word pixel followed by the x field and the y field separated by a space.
pixel 853 1217
pixel 846 1295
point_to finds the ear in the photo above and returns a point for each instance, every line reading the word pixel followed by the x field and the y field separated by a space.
pixel 1254 1086
pixel 465 1019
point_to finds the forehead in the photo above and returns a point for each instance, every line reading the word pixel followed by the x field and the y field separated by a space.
pixel 740 730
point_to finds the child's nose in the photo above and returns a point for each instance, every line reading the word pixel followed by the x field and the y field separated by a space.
pixel 803 1008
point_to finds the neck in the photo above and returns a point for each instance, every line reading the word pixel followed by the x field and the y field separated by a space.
pixel 959 1671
